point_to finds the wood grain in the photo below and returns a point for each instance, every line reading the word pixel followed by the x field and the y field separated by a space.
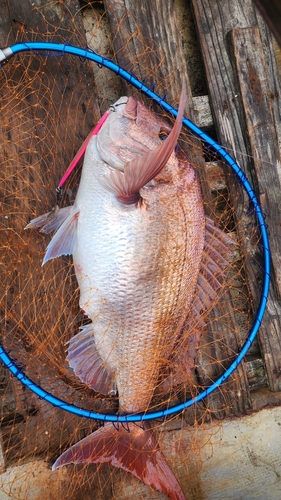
pixel 261 130
pixel 215 22
pixel 271 11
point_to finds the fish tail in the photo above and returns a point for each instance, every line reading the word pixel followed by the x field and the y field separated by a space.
pixel 133 449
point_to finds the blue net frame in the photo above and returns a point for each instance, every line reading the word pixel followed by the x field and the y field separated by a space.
pixel 47 48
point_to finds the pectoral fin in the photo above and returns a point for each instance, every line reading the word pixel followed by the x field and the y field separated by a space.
pixel 144 168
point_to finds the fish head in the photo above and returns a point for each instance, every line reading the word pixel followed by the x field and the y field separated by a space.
pixel 131 129
pixel 139 146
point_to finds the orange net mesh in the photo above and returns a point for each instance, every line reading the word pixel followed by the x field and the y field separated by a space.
pixel 47 110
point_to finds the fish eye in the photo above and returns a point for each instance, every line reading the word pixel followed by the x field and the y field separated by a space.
pixel 163 135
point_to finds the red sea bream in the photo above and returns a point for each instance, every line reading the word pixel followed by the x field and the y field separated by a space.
pixel 145 263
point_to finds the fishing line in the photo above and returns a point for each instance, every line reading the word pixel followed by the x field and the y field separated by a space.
pixel 49 49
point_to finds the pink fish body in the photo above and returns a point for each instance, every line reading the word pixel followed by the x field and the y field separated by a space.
pixel 137 232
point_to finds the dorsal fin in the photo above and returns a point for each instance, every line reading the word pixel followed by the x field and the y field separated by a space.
pixel 217 249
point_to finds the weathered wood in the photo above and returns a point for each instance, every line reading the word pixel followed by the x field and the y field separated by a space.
pixel 263 140
pixel 271 11
pixel 263 398
pixel 214 21
pixel 202 112
pixel 191 48
pixel 255 95
pixel 256 374
pixel 272 72
pixel 147 44
pixel 109 85
pixel 215 176
pixel 154 53
pixel 163 62
pixel 217 351
pixel 43 123
pixel 5 25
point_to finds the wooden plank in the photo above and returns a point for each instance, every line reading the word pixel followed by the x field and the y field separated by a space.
pixel 272 71
pixel 191 47
pixel 251 72
pixel 155 54
pixel 163 62
pixel 215 176
pixel 214 21
pixel 5 25
pixel 147 43
pixel 202 112
pixel 271 11
pixel 218 350
pixel 256 374
pixel 44 139
pixel 263 139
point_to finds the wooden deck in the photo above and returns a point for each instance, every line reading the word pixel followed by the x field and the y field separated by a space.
pixel 233 88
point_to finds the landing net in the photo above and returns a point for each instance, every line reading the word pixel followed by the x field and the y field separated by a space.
pixel 47 110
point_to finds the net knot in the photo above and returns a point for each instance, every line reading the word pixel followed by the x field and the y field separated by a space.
pixel 125 426
pixel 116 425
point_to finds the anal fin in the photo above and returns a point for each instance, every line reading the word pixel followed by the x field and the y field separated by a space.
pixel 87 364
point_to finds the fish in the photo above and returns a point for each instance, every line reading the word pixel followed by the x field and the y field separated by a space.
pixel 148 262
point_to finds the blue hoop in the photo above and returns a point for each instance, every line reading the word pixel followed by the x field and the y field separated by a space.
pixel 8 52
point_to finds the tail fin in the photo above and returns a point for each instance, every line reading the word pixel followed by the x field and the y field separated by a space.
pixel 134 450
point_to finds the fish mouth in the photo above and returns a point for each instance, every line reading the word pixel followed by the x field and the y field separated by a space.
pixel 117 107
pixel 130 110
pixel 115 152
pixel 127 106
